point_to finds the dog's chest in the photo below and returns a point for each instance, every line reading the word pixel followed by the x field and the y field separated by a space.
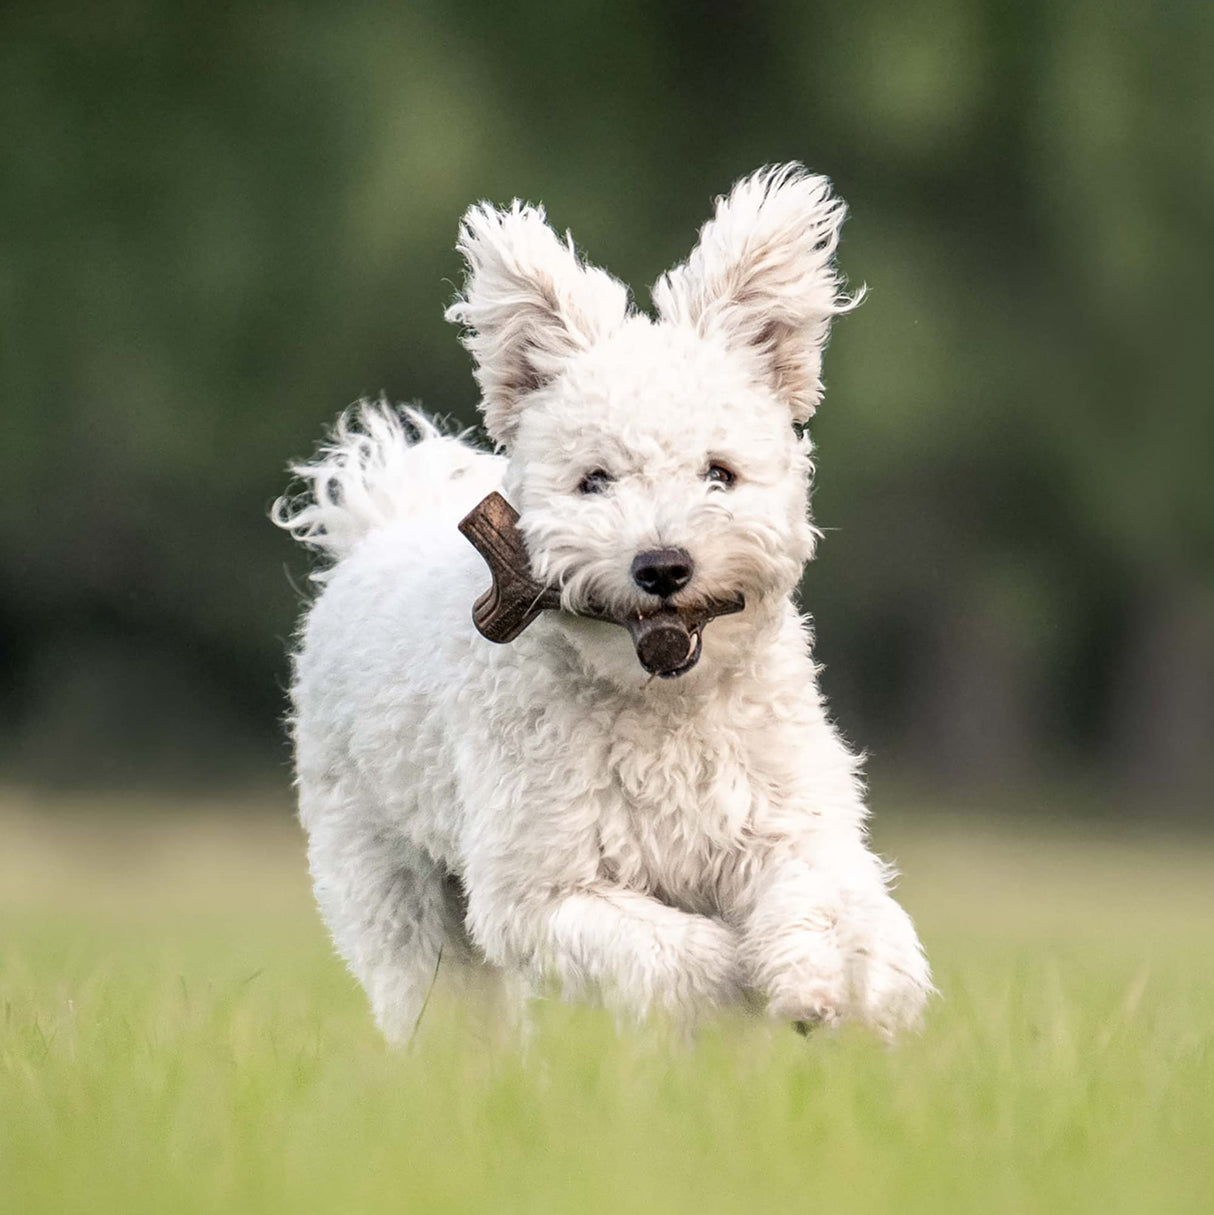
pixel 683 823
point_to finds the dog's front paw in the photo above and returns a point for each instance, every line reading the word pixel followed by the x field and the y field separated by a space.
pixel 821 1003
pixel 890 978
pixel 803 976
pixel 690 971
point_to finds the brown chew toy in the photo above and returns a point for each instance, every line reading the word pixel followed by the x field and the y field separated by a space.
pixel 667 639
pixel 515 599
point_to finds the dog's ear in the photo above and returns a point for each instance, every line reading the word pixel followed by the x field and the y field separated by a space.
pixel 528 304
pixel 763 277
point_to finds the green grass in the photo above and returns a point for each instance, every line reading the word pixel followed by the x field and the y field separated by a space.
pixel 175 1037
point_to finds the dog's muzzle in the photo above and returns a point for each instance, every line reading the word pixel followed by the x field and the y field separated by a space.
pixel 668 639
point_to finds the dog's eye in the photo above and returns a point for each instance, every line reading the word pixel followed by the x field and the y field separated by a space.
pixel 595 481
pixel 719 474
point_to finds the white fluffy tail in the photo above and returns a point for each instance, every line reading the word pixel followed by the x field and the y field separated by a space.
pixel 368 474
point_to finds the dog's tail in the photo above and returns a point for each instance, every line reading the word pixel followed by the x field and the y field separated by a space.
pixel 380 462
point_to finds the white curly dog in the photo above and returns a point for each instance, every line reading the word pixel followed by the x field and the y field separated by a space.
pixel 547 810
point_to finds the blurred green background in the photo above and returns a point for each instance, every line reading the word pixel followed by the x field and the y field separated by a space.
pixel 219 224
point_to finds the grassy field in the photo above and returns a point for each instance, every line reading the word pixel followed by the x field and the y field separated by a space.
pixel 175 1037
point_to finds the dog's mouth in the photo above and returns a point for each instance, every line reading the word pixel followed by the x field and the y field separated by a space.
pixel 668 638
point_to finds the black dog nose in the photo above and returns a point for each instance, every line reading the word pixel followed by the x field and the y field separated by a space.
pixel 662 571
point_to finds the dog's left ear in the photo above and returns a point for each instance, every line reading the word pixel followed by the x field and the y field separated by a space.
pixel 763 277
pixel 529 303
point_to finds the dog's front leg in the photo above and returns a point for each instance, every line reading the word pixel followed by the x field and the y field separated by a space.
pixel 791 946
pixel 825 940
pixel 640 954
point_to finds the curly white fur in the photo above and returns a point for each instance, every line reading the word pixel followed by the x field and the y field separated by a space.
pixel 544 809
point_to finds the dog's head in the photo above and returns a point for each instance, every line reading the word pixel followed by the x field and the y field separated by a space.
pixel 656 462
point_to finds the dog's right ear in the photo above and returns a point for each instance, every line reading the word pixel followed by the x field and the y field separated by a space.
pixel 528 304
